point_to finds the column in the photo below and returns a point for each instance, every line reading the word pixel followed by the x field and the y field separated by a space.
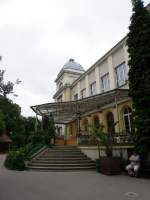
pixel 126 55
pixel 111 73
pixel 97 78
pixel 79 90
pixel 90 124
pixel 100 118
pixel 87 85
pixel 116 119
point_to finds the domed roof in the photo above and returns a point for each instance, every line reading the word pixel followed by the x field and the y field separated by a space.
pixel 71 64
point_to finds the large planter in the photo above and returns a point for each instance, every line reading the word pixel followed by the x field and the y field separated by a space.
pixel 98 165
pixel 110 165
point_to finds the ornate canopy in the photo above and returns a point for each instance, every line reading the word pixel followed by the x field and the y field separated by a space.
pixel 65 112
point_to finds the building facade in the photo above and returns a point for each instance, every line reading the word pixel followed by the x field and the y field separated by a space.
pixel 109 73
pixel 97 96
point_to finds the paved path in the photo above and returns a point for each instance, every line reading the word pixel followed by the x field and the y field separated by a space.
pixel 31 185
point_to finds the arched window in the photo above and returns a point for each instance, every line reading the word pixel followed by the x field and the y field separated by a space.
pixel 110 122
pixel 96 122
pixel 85 124
pixel 127 115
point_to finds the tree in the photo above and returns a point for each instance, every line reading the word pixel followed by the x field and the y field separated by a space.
pixel 2 123
pixel 139 74
pixel 11 112
pixel 7 88
pixel 49 129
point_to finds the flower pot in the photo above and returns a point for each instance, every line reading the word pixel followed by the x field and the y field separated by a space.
pixel 110 165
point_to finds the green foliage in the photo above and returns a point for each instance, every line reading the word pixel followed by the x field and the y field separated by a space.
pixel 15 160
pixel 29 123
pixel 7 88
pixel 139 74
pixel 41 137
pixel 48 125
pixel 49 130
pixel 103 139
pixel 11 113
pixel 37 137
pixel 2 123
pixel 19 128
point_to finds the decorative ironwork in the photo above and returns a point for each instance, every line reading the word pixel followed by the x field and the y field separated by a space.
pixel 118 139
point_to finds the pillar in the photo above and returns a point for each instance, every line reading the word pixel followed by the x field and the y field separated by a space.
pixel 87 85
pixel 79 90
pixel 97 78
pixel 111 73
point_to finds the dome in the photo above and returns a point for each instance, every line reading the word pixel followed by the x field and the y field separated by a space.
pixel 71 64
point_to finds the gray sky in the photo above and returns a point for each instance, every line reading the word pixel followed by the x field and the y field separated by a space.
pixel 38 36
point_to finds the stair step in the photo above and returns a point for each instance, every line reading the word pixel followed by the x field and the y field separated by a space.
pixel 61 154
pixel 61 165
pixel 61 161
pixel 63 149
pixel 64 156
pixel 62 168
pixel 64 159
pixel 64 152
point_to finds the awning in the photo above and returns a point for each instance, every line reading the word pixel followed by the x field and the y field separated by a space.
pixel 65 112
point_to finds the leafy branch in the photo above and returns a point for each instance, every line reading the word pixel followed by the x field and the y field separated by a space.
pixel 7 88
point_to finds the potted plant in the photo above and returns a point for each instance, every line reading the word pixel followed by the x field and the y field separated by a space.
pixel 108 164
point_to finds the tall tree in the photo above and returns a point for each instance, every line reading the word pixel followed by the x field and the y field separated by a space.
pixel 7 88
pixel 2 123
pixel 11 113
pixel 139 74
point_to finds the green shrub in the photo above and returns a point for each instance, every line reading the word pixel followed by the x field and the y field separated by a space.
pixel 15 160
pixel 37 138
pixel 47 140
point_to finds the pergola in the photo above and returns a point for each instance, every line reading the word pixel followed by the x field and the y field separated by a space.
pixel 65 112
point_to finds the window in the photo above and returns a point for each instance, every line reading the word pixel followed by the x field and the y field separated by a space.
pixel 83 93
pixel 127 119
pixel 105 82
pixel 76 97
pixel 121 74
pixel 93 88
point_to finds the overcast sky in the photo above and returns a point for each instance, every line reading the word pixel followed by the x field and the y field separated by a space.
pixel 37 37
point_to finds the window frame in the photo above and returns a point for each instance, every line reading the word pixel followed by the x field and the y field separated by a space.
pixel 127 116
pixel 82 92
pixel 102 85
pixel 120 83
pixel 90 86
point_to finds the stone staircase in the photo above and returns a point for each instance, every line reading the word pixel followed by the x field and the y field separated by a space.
pixel 61 158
